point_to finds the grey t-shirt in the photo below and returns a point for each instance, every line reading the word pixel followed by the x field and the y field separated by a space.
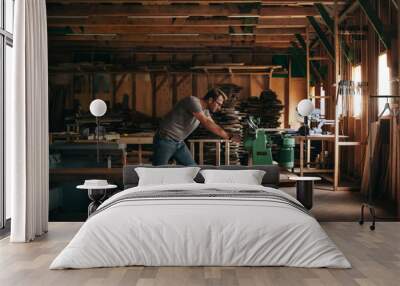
pixel 180 122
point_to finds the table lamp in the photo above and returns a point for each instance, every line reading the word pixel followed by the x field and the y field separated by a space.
pixel 98 108
pixel 305 108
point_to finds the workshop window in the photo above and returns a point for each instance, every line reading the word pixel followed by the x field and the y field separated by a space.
pixel 322 102
pixel 384 87
pixel 357 102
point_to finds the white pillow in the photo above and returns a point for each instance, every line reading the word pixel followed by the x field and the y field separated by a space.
pixel 165 176
pixel 248 177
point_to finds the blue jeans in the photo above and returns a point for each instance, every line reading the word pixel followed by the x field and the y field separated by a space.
pixel 165 149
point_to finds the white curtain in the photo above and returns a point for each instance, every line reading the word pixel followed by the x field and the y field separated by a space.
pixel 27 124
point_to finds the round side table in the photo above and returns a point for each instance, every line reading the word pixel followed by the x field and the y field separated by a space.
pixel 304 190
pixel 96 194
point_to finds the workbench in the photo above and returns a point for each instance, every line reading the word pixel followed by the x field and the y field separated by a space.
pixel 140 139
pixel 323 138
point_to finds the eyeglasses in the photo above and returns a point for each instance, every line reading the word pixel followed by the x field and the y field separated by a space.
pixel 219 103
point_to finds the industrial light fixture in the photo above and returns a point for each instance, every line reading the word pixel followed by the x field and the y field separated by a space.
pixel 98 108
pixel 305 108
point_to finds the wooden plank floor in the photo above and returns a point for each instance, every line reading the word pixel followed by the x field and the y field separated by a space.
pixel 375 257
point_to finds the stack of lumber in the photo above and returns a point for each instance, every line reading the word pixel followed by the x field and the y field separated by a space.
pixel 381 174
pixel 267 108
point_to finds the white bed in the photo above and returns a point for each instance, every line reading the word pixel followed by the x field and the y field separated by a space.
pixel 185 230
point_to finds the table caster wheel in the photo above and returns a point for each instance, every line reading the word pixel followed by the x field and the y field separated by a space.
pixel 372 227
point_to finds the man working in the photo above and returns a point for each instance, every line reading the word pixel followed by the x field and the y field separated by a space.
pixel 181 121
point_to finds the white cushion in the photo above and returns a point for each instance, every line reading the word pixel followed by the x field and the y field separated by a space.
pixel 165 176
pixel 247 177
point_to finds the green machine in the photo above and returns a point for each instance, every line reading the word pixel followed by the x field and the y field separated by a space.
pixel 260 148
pixel 260 144
pixel 286 152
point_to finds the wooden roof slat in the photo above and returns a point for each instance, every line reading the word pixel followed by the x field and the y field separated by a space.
pixel 149 22
pixel 140 30
pixel 84 9
pixel 147 10
pixel 279 31
pixel 162 38
pixel 193 45
pixel 204 2
pixel 187 22
pixel 132 30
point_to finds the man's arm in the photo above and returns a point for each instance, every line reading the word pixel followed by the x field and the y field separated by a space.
pixel 210 125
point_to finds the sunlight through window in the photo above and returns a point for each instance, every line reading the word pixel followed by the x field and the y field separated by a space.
pixel 357 102
pixel 383 83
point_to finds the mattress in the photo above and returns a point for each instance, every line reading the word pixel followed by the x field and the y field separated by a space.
pixel 201 225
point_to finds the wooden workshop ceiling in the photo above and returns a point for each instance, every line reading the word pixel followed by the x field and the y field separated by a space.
pixel 179 24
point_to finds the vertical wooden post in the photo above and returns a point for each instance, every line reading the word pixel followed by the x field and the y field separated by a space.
pixel 192 149
pixel 227 152
pixel 153 78
pixel 308 142
pixel 398 50
pixel 301 157
pixel 133 97
pixel 140 154
pixel 337 80
pixel 124 157
pixel 114 89
pixel 287 97
pixel 267 81
pixel 308 61
pixel 218 153
pixel 201 153
pixel 289 88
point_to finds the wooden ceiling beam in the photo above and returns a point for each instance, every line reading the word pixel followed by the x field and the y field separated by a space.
pixel 127 47
pixel 231 10
pixel 287 11
pixel 160 39
pixel 202 2
pixel 176 30
pixel 94 21
pixel 133 30
pixel 54 10
pixel 192 45
pixel 279 31
pixel 282 22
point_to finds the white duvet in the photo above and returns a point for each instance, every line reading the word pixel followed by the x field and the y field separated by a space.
pixel 200 231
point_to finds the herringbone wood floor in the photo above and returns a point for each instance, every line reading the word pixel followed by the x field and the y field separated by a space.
pixel 375 257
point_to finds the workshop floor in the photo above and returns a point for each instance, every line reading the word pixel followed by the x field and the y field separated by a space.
pixel 341 205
